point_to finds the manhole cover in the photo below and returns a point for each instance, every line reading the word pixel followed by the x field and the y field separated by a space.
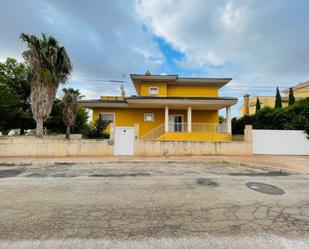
pixel 265 188
pixel 208 182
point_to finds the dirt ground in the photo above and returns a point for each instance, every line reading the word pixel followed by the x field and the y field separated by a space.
pixel 150 205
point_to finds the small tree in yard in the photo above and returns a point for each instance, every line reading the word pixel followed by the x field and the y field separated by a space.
pixel 291 97
pixel 70 99
pixel 278 102
pixel 258 104
pixel 98 129
pixel 49 66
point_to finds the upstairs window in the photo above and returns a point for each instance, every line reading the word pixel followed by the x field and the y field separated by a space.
pixel 153 90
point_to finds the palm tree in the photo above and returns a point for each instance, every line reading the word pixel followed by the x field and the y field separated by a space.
pixel 70 99
pixel 49 66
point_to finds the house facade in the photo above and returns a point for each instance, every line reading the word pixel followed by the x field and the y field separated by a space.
pixel 300 90
pixel 168 107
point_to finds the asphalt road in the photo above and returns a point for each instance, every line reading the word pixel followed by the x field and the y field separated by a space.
pixel 150 206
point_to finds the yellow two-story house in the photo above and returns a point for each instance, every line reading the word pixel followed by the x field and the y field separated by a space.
pixel 168 107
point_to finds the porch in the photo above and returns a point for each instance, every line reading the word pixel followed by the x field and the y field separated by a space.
pixel 179 126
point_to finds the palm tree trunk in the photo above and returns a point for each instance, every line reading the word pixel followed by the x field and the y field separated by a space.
pixel 22 129
pixel 67 133
pixel 39 127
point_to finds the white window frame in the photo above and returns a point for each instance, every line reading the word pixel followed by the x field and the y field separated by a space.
pixel 152 88
pixel 102 113
pixel 146 114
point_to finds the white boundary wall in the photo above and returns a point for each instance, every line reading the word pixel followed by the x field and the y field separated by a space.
pixel 280 142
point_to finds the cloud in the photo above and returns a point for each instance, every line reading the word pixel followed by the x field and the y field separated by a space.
pixel 104 38
pixel 258 42
pixel 255 40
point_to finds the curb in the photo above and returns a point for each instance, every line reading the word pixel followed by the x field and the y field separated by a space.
pixel 229 162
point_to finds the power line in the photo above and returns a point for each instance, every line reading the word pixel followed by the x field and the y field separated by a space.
pixel 232 81
pixel 257 87
pixel 227 87
pixel 114 82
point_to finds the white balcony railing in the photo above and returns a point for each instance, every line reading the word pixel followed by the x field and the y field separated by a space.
pixel 183 127
pixel 198 127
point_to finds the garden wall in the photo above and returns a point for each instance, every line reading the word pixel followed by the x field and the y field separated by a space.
pixel 31 146
pixel 181 148
pixel 52 147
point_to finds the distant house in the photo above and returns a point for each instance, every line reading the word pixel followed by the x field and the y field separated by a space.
pixel 168 107
pixel 300 90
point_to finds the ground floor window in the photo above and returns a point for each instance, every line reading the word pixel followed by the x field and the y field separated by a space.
pixel 148 117
pixel 106 116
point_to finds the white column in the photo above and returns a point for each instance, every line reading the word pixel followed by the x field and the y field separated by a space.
pixel 166 119
pixel 229 119
pixel 189 117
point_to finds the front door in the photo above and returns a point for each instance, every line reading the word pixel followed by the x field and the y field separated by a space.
pixel 175 123
pixel 124 141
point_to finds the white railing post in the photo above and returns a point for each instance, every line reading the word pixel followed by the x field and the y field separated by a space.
pixel 229 119
pixel 189 116
pixel 166 119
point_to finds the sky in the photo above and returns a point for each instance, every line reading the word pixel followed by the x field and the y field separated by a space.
pixel 261 44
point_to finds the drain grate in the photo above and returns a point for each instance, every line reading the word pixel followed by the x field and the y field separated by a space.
pixel 207 182
pixel 265 188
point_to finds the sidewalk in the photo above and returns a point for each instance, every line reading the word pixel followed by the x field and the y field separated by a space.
pixel 298 164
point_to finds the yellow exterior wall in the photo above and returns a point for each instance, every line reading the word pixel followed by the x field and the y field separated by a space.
pixel 165 90
pixel 301 93
pixel 187 136
pixel 191 91
pixel 130 117
pixel 201 116
pixel 144 89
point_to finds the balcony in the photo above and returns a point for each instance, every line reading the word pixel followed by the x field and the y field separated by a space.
pixel 197 127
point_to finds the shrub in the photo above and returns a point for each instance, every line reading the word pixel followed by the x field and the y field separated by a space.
pixel 295 117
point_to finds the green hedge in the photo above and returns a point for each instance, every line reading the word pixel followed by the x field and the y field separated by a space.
pixel 295 117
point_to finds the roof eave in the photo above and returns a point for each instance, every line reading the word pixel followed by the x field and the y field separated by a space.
pixel 175 79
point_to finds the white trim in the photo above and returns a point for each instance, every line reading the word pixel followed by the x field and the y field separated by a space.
pixel 152 114
pixel 228 119
pixel 189 119
pixel 154 87
pixel 166 115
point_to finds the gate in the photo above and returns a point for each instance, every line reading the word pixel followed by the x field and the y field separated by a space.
pixel 124 141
